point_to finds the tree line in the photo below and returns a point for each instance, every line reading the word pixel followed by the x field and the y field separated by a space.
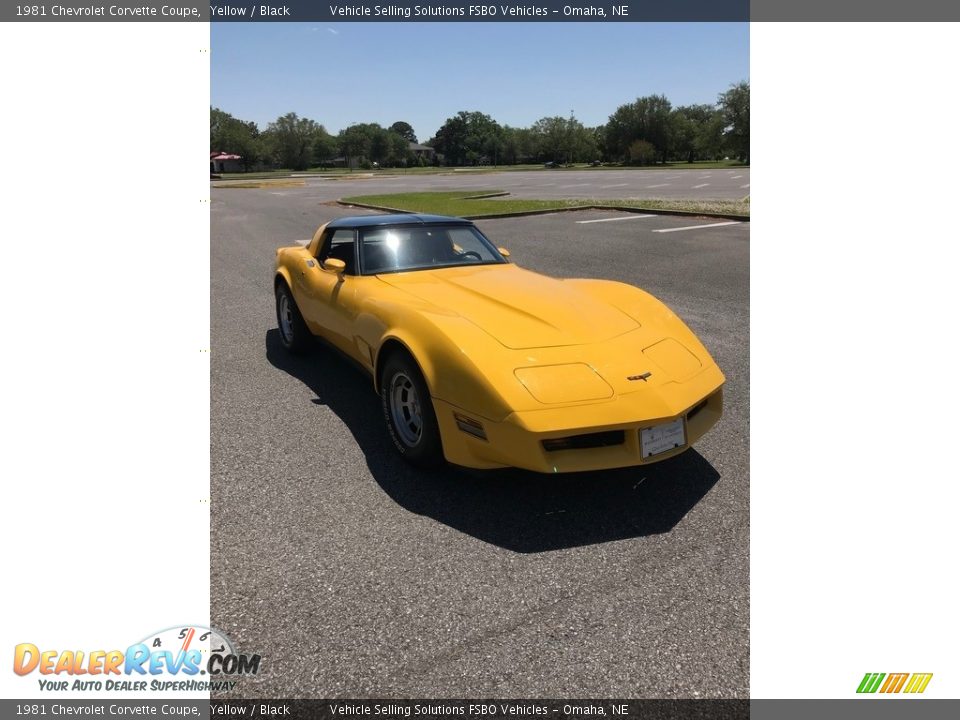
pixel 647 131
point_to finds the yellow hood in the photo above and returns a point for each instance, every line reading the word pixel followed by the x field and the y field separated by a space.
pixel 521 309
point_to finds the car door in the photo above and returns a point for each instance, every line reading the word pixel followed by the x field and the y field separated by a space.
pixel 327 298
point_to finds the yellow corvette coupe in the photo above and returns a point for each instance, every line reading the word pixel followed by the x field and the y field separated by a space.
pixel 487 365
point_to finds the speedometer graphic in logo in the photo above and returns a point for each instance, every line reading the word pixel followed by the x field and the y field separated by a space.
pixel 198 649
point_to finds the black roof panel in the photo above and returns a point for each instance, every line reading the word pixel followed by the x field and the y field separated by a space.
pixel 359 221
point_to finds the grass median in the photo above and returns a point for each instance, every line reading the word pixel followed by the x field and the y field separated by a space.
pixel 459 204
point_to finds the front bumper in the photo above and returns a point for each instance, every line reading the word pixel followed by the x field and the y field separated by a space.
pixel 517 441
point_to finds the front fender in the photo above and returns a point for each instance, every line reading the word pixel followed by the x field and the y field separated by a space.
pixel 450 351
pixel 648 310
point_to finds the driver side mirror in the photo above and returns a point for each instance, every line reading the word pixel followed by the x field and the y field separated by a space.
pixel 503 251
pixel 334 265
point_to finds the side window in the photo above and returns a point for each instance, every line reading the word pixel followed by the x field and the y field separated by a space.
pixel 468 244
pixel 340 245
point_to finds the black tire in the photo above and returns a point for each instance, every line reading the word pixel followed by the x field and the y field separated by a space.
pixel 294 334
pixel 415 434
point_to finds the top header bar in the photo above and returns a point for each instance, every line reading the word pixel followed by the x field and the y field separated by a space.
pixel 382 11
pixel 476 11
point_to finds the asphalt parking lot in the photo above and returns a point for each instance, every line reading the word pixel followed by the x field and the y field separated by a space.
pixel 601 184
pixel 355 576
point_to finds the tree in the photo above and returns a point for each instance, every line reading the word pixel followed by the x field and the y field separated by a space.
pixel 518 145
pixel 371 143
pixel 379 143
pixel 735 106
pixel 600 142
pixel 324 148
pixel 683 131
pixel 398 149
pixel 292 138
pixel 710 141
pixel 642 152
pixel 354 142
pixel 647 118
pixel 404 130
pixel 451 139
pixel 239 137
pixel 553 141
pixel 691 132
pixel 583 142
pixel 219 121
pixel 469 138
pixel 694 128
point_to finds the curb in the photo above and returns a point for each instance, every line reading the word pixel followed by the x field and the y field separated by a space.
pixel 527 213
pixel 484 196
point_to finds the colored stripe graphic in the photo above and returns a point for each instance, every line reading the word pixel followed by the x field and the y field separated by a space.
pixel 918 682
pixel 870 682
pixel 894 682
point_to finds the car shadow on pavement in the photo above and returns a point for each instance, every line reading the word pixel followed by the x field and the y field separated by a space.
pixel 518 510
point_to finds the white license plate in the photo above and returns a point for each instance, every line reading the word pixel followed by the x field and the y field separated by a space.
pixel 660 438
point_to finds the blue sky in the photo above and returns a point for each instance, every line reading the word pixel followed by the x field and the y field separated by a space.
pixel 343 73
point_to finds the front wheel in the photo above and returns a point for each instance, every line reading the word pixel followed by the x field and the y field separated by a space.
pixel 294 334
pixel 408 412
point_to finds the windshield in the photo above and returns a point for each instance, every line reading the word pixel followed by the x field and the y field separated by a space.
pixel 421 247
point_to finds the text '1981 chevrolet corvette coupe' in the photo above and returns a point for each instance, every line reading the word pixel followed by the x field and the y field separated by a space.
pixel 487 365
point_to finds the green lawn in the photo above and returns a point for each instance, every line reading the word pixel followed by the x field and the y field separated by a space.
pixel 454 203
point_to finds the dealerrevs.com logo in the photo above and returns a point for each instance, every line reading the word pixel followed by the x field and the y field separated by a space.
pixel 911 683
pixel 180 658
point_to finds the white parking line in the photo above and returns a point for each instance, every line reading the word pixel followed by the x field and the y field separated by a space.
pixel 745 186
pixel 697 227
pixel 617 185
pixel 697 187
pixel 656 186
pixel 615 219
pixel 704 177
pixel 736 177
pixel 574 185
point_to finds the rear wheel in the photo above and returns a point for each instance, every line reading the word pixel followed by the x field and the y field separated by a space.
pixel 294 335
pixel 408 412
